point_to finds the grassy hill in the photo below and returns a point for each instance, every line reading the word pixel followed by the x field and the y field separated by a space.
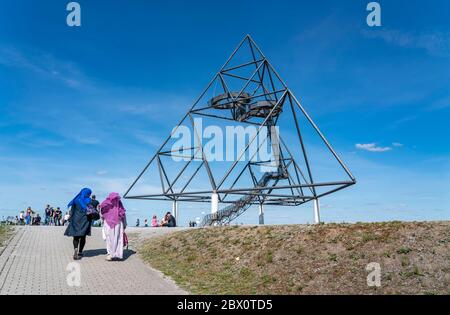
pixel 306 259
pixel 5 233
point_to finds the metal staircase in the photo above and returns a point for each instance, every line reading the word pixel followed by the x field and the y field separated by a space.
pixel 231 212
pixel 242 111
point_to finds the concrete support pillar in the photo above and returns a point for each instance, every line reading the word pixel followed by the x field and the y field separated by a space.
pixel 261 214
pixel 175 210
pixel 316 211
pixel 214 203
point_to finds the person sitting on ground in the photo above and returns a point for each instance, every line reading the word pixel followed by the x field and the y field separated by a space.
pixel 146 223
pixel 37 220
pixel 169 220
pixel 172 221
pixel 155 221
pixel 164 221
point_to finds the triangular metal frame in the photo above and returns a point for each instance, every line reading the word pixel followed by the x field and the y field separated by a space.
pixel 271 89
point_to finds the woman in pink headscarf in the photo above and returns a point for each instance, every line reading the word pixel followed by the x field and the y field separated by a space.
pixel 114 224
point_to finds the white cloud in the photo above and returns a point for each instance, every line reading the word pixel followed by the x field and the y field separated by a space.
pixel 104 185
pixel 372 147
pixel 32 139
pixel 149 138
pixel 397 144
pixel 157 108
pixel 139 109
pixel 46 66
pixel 440 104
pixel 435 43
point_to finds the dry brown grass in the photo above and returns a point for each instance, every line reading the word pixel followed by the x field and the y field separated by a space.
pixel 5 233
pixel 306 259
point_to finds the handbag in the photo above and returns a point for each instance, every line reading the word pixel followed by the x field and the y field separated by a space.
pixel 92 213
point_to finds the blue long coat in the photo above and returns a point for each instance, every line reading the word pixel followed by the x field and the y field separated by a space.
pixel 79 224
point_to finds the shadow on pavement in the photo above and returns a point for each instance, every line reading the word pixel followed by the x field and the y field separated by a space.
pixel 127 253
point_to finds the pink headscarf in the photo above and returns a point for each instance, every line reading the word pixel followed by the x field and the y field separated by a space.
pixel 112 210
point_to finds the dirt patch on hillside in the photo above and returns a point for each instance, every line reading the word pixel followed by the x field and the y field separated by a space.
pixel 306 259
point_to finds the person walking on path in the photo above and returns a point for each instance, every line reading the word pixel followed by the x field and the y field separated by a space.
pixel 79 224
pixel 115 223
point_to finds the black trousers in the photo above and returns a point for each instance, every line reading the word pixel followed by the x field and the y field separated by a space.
pixel 79 242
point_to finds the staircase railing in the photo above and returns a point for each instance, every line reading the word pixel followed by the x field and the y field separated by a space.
pixel 234 210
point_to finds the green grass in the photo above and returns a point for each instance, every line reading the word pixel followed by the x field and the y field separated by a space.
pixel 303 259
pixel 5 232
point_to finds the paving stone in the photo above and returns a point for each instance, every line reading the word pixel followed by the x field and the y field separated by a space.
pixel 36 261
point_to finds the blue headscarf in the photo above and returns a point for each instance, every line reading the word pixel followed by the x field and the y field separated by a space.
pixel 82 199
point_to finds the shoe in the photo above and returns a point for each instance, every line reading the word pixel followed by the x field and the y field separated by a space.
pixel 75 254
pixel 109 258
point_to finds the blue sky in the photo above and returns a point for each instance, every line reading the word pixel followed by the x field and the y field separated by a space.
pixel 88 106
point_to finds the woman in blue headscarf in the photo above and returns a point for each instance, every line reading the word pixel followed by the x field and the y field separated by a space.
pixel 79 223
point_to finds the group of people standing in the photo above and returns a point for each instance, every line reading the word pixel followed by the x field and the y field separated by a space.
pixel 54 216
pixel 84 209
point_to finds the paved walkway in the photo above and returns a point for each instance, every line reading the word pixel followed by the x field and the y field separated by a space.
pixel 36 261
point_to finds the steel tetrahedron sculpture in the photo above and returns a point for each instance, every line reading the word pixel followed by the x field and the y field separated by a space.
pixel 250 96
